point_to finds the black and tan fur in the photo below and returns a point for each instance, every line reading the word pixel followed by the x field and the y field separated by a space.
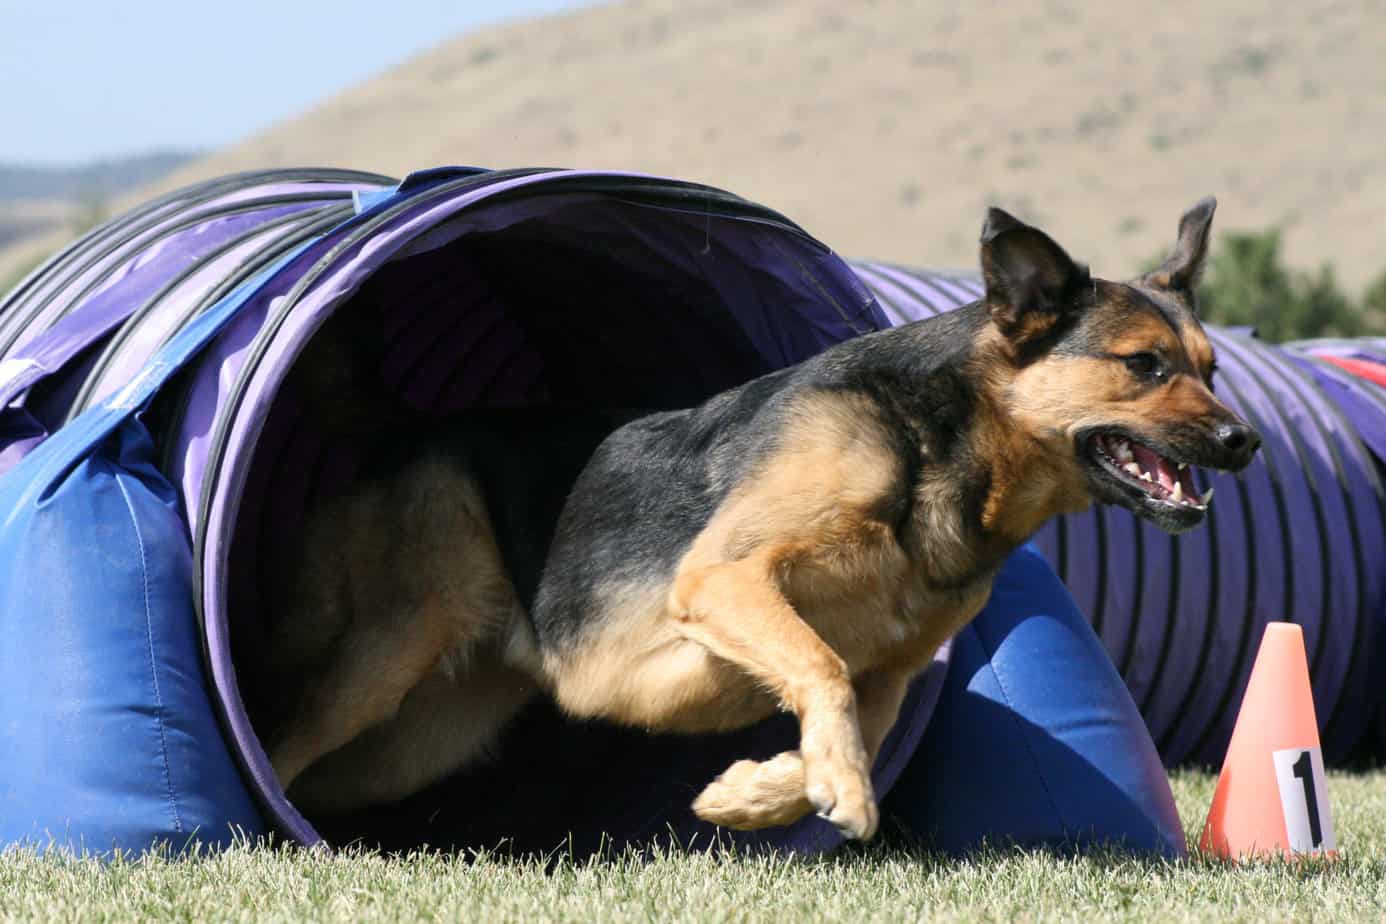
pixel 805 541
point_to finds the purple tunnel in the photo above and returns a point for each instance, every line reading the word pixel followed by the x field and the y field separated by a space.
pixel 509 287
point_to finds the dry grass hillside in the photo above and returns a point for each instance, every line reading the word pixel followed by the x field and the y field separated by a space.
pixel 886 127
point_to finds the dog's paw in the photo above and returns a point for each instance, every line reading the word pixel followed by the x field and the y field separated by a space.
pixel 750 795
pixel 847 803
pixel 838 784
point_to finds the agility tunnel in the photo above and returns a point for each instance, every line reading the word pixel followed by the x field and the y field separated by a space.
pixel 156 464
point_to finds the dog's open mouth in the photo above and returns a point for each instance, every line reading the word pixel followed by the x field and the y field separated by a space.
pixel 1146 470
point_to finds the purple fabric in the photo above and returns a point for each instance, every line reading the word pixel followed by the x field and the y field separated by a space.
pixel 128 289
pixel 59 281
pixel 1363 402
pixel 1371 349
pixel 63 328
pixel 1299 536
pixel 160 323
pixel 137 252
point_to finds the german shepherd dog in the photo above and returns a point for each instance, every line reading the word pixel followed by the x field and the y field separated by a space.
pixel 805 541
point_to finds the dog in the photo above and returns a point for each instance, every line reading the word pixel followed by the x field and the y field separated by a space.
pixel 805 541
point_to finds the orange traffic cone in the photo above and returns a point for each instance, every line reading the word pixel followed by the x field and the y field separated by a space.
pixel 1272 796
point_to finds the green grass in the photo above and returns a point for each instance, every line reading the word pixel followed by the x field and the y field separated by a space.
pixel 872 884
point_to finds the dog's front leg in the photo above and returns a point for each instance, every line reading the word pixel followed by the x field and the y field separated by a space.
pixel 757 794
pixel 737 612
pixel 879 695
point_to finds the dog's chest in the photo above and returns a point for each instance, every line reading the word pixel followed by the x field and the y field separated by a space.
pixel 885 611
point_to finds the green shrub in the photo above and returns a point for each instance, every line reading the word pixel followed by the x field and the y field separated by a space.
pixel 1247 284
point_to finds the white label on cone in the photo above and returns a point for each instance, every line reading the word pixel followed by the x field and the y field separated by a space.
pixel 1304 799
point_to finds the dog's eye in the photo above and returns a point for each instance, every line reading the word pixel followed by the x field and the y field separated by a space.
pixel 1143 365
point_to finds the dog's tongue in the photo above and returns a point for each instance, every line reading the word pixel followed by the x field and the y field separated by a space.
pixel 1156 464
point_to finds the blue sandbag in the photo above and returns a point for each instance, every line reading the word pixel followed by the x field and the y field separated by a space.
pixel 1035 740
pixel 107 736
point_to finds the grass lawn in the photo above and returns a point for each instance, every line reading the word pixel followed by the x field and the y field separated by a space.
pixel 874 884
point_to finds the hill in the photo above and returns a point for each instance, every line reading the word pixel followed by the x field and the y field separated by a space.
pixel 98 180
pixel 887 127
pixel 41 206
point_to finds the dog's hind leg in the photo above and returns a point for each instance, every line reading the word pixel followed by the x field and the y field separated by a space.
pixel 444 723
pixel 370 678
pixel 753 794
pixel 737 612
pixel 757 794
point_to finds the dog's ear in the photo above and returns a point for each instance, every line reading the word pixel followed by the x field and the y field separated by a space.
pixel 1180 273
pixel 1031 283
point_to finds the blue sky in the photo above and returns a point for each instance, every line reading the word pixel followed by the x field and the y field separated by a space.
pixel 82 80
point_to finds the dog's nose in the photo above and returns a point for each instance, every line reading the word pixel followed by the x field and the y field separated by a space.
pixel 1238 440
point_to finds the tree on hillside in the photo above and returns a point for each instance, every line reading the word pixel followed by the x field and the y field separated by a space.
pixel 1247 285
pixel 1374 306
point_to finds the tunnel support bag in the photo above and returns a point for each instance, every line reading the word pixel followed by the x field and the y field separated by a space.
pixel 109 738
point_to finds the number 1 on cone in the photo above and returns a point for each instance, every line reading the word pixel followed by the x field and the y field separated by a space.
pixel 1304 800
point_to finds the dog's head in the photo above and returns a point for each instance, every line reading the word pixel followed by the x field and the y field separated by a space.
pixel 1113 379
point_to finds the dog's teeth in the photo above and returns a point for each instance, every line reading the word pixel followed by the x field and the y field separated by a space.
pixel 1183 465
pixel 1133 468
pixel 1123 452
pixel 1145 476
pixel 1177 495
pixel 1207 497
